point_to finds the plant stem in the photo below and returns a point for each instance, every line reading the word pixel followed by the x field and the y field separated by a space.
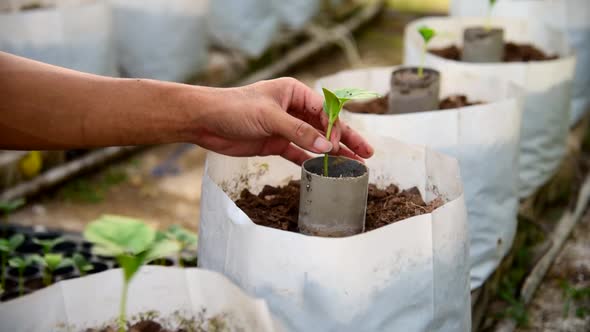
pixel 123 307
pixel 180 262
pixel 21 282
pixel 3 282
pixel 422 60
pixel 326 156
pixel 47 277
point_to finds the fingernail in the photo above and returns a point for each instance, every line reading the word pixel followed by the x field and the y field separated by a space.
pixel 370 150
pixel 322 145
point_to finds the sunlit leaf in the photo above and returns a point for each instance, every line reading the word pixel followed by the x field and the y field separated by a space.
pixel 426 33
pixel 120 234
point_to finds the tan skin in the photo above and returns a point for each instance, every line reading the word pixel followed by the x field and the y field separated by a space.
pixel 45 107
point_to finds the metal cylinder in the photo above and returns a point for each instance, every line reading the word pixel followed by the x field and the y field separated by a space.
pixel 334 205
pixel 483 45
pixel 410 92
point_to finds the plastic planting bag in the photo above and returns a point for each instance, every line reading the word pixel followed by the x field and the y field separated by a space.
pixel 548 86
pixel 395 278
pixel 169 293
pixel 572 17
pixel 161 39
pixel 247 26
pixel 71 34
pixel 484 138
pixel 296 13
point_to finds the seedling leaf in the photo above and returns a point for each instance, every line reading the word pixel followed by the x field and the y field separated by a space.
pixel 162 247
pixel 82 264
pixel 10 245
pixel 182 235
pixel 426 33
pixel 116 235
pixel 9 206
pixel 48 245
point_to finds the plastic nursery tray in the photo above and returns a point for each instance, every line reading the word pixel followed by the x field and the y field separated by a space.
pixel 74 243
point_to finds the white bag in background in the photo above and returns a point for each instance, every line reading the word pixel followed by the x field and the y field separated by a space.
pixel 296 13
pixel 548 85
pixel 396 278
pixel 484 139
pixel 71 34
pixel 247 26
pixel 93 301
pixel 572 17
pixel 161 39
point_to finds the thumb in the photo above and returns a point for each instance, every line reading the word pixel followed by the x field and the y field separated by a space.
pixel 298 131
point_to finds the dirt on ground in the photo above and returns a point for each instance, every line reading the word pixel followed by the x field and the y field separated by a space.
pixel 513 52
pixel 380 105
pixel 278 207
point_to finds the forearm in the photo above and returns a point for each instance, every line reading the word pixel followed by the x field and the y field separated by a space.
pixel 47 107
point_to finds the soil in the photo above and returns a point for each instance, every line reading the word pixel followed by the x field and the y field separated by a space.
pixel 380 105
pixel 278 207
pixel 513 52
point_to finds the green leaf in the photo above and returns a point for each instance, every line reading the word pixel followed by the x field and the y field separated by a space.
pixel 347 94
pixel 492 3
pixel 53 261
pixel 182 235
pixel 17 262
pixel 130 264
pixel 48 245
pixel 162 247
pixel 81 263
pixel 15 241
pixel 426 33
pixel 332 105
pixel 333 101
pixel 116 235
pixel 9 206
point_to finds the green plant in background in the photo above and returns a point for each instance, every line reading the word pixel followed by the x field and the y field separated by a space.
pixel 7 248
pixel 427 34
pixel 333 103
pixel 48 245
pixel 21 265
pixel 7 207
pixel 94 190
pixel 50 263
pixel 488 26
pixel 132 243
pixel 184 237
pixel 577 296
pixel 82 264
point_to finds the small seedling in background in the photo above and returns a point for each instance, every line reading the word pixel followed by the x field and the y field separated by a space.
pixel 50 263
pixel 7 248
pixel 576 296
pixel 333 103
pixel 427 34
pixel 21 265
pixel 488 26
pixel 48 245
pixel 132 243
pixel 184 237
pixel 7 207
pixel 83 265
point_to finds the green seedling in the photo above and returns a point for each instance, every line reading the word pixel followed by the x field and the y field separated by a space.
pixel 427 34
pixel 7 248
pixel 488 26
pixel 83 265
pixel 577 296
pixel 184 237
pixel 132 243
pixel 7 207
pixel 50 263
pixel 333 103
pixel 48 245
pixel 21 265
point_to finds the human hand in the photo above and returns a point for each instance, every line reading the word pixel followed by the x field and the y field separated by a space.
pixel 276 117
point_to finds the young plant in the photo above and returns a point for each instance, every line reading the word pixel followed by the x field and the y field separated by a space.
pixel 21 265
pixel 7 248
pixel 83 265
pixel 488 26
pixel 333 103
pixel 184 237
pixel 50 263
pixel 7 207
pixel 48 245
pixel 132 243
pixel 427 34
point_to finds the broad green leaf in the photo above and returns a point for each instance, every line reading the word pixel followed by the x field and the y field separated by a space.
pixel 426 33
pixel 162 247
pixel 5 246
pixel 17 262
pixel 120 234
pixel 182 235
pixel 37 259
pixel 492 3
pixel 15 241
pixel 48 244
pixel 345 95
pixel 81 263
pixel 53 261
pixel 9 206
pixel 130 264
pixel 332 105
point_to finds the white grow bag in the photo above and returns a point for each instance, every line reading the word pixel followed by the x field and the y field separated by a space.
pixel 247 26
pixel 569 16
pixel 397 278
pixel 545 120
pixel 484 138
pixel 72 34
pixel 93 301
pixel 161 39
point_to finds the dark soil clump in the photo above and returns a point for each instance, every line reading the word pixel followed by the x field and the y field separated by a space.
pixel 513 52
pixel 380 105
pixel 278 207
